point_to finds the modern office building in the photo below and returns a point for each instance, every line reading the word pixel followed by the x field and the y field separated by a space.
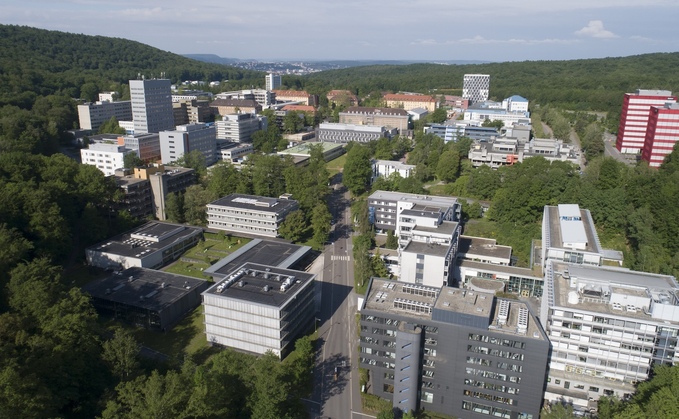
pixel 107 157
pixel 636 109
pixel 272 81
pixel 476 87
pixel 410 101
pixel 331 151
pixel 457 352
pixel 479 114
pixel 151 105
pixel 515 103
pixel 145 297
pixel 346 133
pixel 608 328
pixel 92 115
pixel 152 245
pixel 187 138
pixel 259 308
pixel 238 128
pixel 384 208
pixel 249 214
pixel 505 151
pixel 662 133
pixel 383 117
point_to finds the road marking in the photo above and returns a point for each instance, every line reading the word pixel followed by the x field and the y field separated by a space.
pixel 344 257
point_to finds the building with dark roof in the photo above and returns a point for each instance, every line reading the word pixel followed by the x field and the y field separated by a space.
pixel 457 352
pixel 259 308
pixel 250 214
pixel 152 245
pixel 146 297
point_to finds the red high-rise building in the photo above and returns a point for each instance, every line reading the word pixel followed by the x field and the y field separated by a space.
pixel 662 133
pixel 634 117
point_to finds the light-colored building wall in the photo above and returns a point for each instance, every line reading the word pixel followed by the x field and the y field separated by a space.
pixel 92 115
pixel 239 128
pixel 186 138
pixel 106 157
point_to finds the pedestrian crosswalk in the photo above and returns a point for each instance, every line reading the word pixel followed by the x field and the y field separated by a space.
pixel 336 257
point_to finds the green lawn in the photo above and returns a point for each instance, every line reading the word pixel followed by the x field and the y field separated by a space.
pixel 205 254
pixel 336 166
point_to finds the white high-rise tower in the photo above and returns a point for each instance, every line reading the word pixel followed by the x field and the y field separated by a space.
pixel 273 81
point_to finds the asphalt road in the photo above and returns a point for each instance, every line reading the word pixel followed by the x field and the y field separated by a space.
pixel 336 395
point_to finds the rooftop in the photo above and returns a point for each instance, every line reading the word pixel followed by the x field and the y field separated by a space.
pixel 409 98
pixel 376 111
pixel 511 270
pixel 446 227
pixel 434 200
pixel 597 289
pixel 418 301
pixel 264 252
pixel 430 249
pixel 305 147
pixel 483 247
pixel 144 288
pixel 556 238
pixel 261 284
pixel 146 239
pixel 255 203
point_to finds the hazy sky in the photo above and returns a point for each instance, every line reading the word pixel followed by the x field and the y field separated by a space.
pixel 488 30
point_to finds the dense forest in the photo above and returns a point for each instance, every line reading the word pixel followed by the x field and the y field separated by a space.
pixel 56 359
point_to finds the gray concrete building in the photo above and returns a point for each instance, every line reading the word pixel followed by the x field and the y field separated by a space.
pixel 145 297
pixel 457 352
pixel 238 128
pixel 258 308
pixel 345 133
pixel 92 115
pixel 187 138
pixel 151 105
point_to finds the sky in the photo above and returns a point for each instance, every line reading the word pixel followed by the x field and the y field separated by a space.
pixel 418 30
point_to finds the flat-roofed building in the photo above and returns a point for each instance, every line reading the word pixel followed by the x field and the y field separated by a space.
pixel 476 87
pixel 346 133
pixel 385 168
pixel 147 145
pixel 149 298
pixel 636 108
pixel 233 152
pixel 457 352
pixel 187 138
pixel 608 327
pixel 272 81
pixel 259 308
pixel 151 105
pixel 384 117
pixel 137 195
pixel 249 214
pixel 569 235
pixel 264 98
pixel 331 151
pixel 384 207
pixel 106 156
pixel 662 133
pixel 152 245
pixel 92 115
pixel 239 128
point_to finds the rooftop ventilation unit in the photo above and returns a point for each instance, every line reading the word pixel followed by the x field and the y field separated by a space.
pixel 503 312
pixel 522 321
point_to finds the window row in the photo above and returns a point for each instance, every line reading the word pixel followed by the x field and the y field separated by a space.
pixel 497 341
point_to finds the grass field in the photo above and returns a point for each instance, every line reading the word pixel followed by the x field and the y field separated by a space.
pixel 336 166
pixel 205 254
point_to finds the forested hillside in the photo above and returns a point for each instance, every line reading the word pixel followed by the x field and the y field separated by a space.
pixel 594 84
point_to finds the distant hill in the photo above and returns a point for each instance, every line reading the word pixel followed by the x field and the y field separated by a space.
pixel 47 62
pixel 593 84
pixel 212 58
